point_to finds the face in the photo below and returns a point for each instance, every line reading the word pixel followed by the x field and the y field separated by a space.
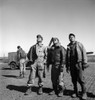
pixel 72 38
pixel 55 41
pixel 39 40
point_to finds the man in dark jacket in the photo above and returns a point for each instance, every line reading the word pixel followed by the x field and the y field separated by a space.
pixel 76 61
pixel 37 56
pixel 21 57
pixel 57 59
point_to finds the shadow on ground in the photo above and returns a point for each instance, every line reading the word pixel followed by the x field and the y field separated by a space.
pixel 90 94
pixel 24 88
pixel 10 76
pixel 4 68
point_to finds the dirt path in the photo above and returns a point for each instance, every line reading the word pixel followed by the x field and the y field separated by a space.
pixel 12 88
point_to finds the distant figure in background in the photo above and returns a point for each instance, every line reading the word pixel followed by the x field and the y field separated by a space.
pixel 37 56
pixel 56 58
pixel 76 62
pixel 21 57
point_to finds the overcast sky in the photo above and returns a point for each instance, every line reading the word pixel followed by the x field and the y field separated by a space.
pixel 22 20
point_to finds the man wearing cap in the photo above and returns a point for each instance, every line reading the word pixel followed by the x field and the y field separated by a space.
pixel 37 56
pixel 76 61
pixel 57 59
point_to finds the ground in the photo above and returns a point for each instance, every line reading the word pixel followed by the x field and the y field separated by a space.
pixel 12 88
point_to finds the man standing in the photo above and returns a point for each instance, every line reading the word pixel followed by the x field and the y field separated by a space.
pixel 56 57
pixel 37 56
pixel 76 61
pixel 21 57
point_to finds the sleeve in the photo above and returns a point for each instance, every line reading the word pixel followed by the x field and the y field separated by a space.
pixel 45 55
pixel 63 55
pixel 18 55
pixel 67 58
pixel 29 54
pixel 84 55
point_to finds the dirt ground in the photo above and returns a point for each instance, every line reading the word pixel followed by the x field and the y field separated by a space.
pixel 12 88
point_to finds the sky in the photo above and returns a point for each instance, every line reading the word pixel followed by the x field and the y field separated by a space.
pixel 22 20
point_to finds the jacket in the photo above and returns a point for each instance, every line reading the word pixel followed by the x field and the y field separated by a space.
pixel 58 55
pixel 81 54
pixel 32 54
pixel 21 54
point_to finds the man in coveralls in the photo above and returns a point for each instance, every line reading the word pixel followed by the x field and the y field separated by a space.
pixel 37 56
pixel 56 57
pixel 76 61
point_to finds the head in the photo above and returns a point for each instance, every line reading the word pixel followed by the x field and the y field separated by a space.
pixel 39 38
pixel 72 37
pixel 55 41
pixel 18 47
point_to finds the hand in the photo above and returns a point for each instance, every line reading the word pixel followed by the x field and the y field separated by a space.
pixel 67 70
pixel 85 65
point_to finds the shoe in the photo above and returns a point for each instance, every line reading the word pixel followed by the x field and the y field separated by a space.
pixel 20 77
pixel 29 91
pixel 52 92
pixel 40 91
pixel 60 94
pixel 74 95
pixel 29 84
pixel 61 90
pixel 84 96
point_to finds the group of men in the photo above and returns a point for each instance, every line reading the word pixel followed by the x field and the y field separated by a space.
pixel 74 58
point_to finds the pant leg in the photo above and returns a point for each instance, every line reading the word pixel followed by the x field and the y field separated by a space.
pixel 24 66
pixel 32 73
pixel 81 78
pixel 54 77
pixel 40 77
pixel 21 66
pixel 61 79
pixel 74 79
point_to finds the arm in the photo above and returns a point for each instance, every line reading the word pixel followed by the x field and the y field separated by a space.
pixel 63 56
pixel 29 54
pixel 18 55
pixel 67 59
pixel 84 57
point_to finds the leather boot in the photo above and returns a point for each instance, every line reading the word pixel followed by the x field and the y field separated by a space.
pixel 84 96
pixel 29 91
pixel 40 90
pixel 75 94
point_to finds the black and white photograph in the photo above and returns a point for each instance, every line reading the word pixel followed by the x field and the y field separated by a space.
pixel 47 50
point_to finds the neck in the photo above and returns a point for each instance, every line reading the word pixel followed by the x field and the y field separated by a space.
pixel 39 43
pixel 72 42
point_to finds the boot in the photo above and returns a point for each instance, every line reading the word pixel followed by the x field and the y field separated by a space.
pixel 40 90
pixel 29 91
pixel 84 96
pixel 61 90
pixel 75 94
pixel 20 76
pixel 52 92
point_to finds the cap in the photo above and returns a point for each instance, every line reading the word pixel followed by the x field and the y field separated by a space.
pixel 39 36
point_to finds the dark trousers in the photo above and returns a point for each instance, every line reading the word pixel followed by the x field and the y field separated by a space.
pixel 77 76
pixel 56 77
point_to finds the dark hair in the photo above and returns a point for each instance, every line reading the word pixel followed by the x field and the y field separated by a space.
pixel 39 36
pixel 18 47
pixel 71 34
pixel 54 38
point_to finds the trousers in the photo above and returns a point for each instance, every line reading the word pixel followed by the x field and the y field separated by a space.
pixel 56 76
pixel 22 66
pixel 37 69
pixel 77 75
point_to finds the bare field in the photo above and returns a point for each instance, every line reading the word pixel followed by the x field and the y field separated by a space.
pixel 12 88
